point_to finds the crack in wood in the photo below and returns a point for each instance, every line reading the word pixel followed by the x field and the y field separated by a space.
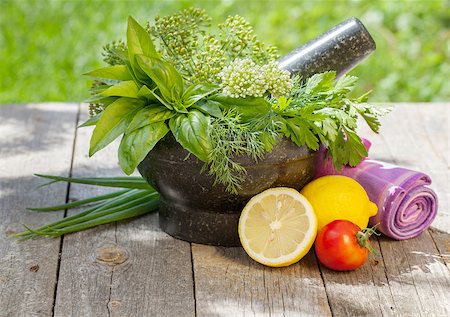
pixel 61 242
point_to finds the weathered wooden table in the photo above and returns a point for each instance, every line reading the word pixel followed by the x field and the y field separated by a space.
pixel 131 268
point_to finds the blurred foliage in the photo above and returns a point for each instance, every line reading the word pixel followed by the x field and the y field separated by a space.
pixel 45 46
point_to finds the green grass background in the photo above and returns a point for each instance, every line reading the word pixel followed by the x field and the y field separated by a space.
pixel 45 46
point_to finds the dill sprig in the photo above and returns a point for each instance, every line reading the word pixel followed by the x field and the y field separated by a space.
pixel 230 138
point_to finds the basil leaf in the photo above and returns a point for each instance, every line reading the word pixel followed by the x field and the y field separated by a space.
pixel 123 89
pixel 97 89
pixel 149 115
pixel 139 43
pixel 138 40
pixel 248 107
pixel 146 93
pixel 104 100
pixel 196 92
pixel 160 99
pixel 135 146
pixel 209 107
pixel 116 72
pixel 166 77
pixel 113 122
pixel 192 132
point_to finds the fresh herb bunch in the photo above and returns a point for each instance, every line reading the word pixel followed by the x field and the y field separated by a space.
pixel 136 198
pixel 220 94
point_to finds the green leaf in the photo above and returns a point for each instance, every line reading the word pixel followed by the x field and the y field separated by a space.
pixel 146 93
pixel 104 100
pixel 116 72
pixel 91 121
pixel 123 89
pixel 97 89
pixel 299 131
pixel 136 145
pixel 122 182
pixel 113 122
pixel 169 81
pixel 139 43
pixel 248 107
pixel 329 128
pixel 149 115
pixel 209 107
pixel 81 202
pixel 322 82
pixel 371 113
pixel 196 92
pixel 356 148
pixel 192 131
pixel 345 84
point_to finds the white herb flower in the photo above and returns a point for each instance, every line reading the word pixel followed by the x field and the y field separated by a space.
pixel 243 78
pixel 279 80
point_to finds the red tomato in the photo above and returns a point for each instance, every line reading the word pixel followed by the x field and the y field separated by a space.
pixel 337 245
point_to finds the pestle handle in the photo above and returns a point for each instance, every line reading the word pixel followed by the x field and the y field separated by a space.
pixel 340 49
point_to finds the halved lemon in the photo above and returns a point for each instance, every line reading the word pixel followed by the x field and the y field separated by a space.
pixel 277 227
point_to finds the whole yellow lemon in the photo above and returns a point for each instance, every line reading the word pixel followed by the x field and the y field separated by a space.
pixel 339 197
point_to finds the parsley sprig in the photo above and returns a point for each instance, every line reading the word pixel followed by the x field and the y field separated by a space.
pixel 319 111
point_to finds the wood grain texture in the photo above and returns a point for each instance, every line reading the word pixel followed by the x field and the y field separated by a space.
pixel 416 137
pixel 442 241
pixel 126 269
pixel 362 292
pixel 33 139
pixel 229 283
pixel 418 277
pixel 133 269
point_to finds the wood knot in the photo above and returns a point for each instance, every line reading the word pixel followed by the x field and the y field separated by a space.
pixel 375 262
pixel 10 232
pixel 111 254
pixel 115 304
pixel 34 268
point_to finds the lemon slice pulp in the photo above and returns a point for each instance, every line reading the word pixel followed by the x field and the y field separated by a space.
pixel 277 227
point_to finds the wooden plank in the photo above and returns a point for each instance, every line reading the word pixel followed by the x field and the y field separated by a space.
pixel 125 269
pixel 33 139
pixel 366 291
pixel 417 136
pixel 442 241
pixel 417 275
pixel 362 292
pixel 229 283
pixel 418 278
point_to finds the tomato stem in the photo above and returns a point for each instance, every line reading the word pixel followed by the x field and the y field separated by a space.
pixel 363 238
